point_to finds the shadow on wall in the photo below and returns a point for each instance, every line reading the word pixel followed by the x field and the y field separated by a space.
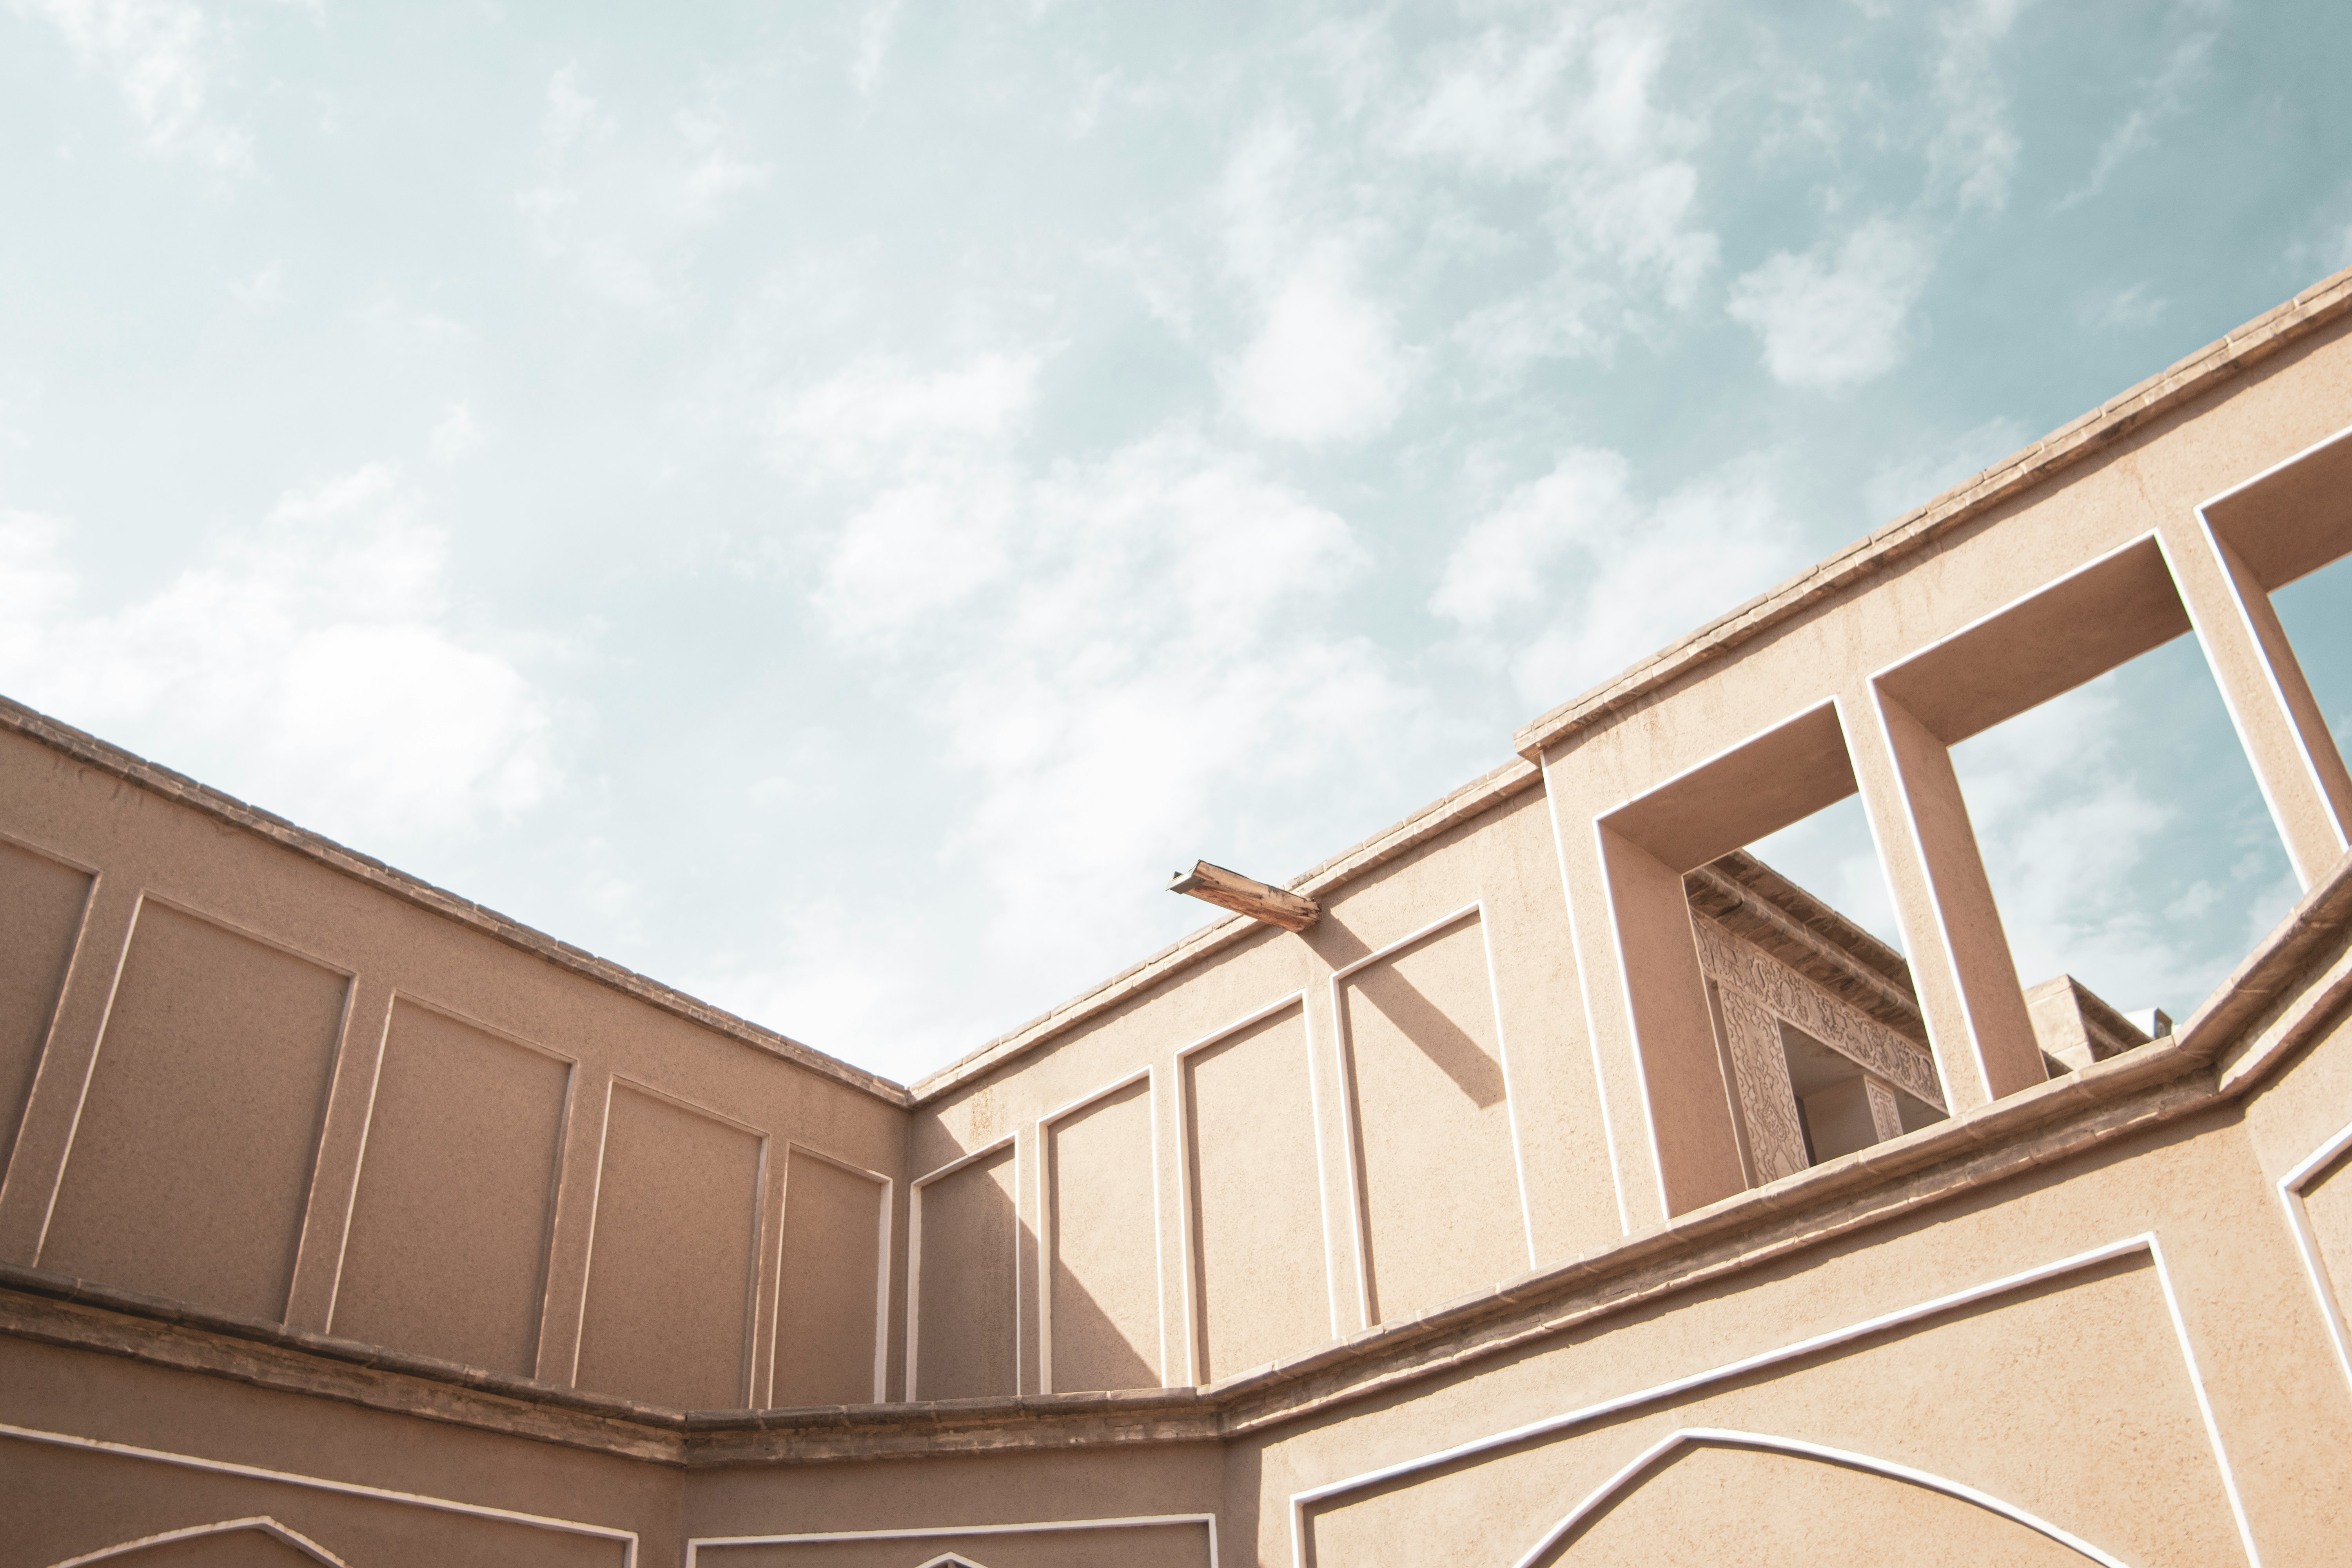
pixel 1420 1020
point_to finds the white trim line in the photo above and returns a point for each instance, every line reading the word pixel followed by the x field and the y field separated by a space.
pixel 1878 832
pixel 882 1282
pixel 695 1545
pixel 2204 1403
pixel 1511 1096
pixel 260 1522
pixel 915 1251
pixel 1798 1350
pixel 628 1539
pixel 1584 999
pixel 1711 1436
pixel 2298 1223
pixel 1196 1304
pixel 1049 1218
pixel 1632 1018
pixel 395 997
pixel 1343 1048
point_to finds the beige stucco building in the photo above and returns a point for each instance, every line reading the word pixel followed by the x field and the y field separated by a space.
pixel 1545 1180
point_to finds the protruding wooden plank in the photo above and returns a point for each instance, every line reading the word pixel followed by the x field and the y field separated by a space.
pixel 1232 891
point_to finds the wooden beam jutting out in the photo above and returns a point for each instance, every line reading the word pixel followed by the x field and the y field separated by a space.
pixel 1232 891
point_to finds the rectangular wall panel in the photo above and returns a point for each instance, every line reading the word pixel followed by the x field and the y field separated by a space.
pixel 967 1305
pixel 449 1240
pixel 826 1323
pixel 668 1313
pixel 191 1165
pixel 1256 1217
pixel 41 905
pixel 1440 1180
pixel 1104 1268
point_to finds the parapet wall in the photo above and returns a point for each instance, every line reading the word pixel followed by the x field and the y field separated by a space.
pixel 1572 1187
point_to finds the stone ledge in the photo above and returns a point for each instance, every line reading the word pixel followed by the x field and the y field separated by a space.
pixel 2293 983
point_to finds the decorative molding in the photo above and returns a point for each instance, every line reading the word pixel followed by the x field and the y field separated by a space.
pixel 260 1524
pixel 627 1540
pixel 1748 1366
pixel 1049 1225
pixel 915 1254
pixel 696 1545
pixel 1707 1437
pixel 1188 1176
pixel 1783 992
pixel 2307 1241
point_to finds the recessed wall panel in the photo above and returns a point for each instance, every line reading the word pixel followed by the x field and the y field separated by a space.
pixel 191 1165
pixel 41 905
pixel 967 1307
pixel 827 1314
pixel 1257 1224
pixel 667 1317
pixel 1104 1268
pixel 448 1239
pixel 1439 1182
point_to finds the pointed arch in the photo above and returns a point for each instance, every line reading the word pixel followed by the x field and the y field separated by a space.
pixel 1624 1480
pixel 952 1560
pixel 261 1524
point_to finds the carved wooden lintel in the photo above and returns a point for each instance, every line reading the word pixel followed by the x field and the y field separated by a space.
pixel 1259 900
pixel 1735 965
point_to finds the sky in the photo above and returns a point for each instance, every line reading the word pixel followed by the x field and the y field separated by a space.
pixel 830 505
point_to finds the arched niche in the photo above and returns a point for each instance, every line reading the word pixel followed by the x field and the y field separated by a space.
pixel 1727 1500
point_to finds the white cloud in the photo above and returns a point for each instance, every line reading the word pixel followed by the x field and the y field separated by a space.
pixel 1836 319
pixel 310 663
pixel 2161 98
pixel 1326 365
pixel 879 411
pixel 1975 153
pixel 162 56
pixel 2122 309
pixel 625 214
pixel 458 434
pixel 1566 107
pixel 1120 661
pixel 1573 576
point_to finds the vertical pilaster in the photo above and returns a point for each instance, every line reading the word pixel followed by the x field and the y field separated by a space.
pixel 585 1109
pixel 45 1138
pixel 2287 741
pixel 1960 962
pixel 335 1174
pixel 1767 1103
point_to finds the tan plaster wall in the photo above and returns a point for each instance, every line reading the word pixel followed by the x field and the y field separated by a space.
pixel 833 1292
pixel 668 1310
pixel 193 1156
pixel 1102 1327
pixel 1260 1289
pixel 1429 1097
pixel 94 1500
pixel 448 1241
pixel 968 1318
pixel 277 1090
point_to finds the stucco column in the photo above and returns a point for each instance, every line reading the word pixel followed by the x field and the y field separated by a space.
pixel 2294 758
pixel 1689 1104
pixel 1960 962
